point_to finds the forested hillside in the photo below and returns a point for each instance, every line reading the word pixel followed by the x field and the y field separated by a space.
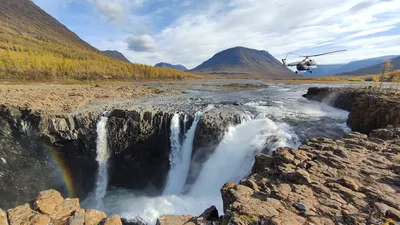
pixel 35 46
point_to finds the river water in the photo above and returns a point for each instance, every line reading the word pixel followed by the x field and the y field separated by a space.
pixel 277 116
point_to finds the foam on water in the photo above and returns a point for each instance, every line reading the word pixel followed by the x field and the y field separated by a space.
pixel 234 156
pixel 102 158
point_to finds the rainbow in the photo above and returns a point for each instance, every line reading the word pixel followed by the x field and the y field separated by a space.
pixel 65 173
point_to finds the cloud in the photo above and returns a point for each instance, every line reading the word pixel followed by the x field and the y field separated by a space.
pixel 141 43
pixel 191 35
pixel 113 11
pixel 363 5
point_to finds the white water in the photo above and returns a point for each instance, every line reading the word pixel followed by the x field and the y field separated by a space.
pixel 102 157
pixel 180 158
pixel 234 156
pixel 175 157
pixel 268 125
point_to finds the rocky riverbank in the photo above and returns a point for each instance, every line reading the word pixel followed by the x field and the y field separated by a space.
pixel 49 207
pixel 354 180
pixel 368 109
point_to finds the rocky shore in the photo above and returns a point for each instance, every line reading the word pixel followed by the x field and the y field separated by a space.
pixel 368 109
pixel 49 207
pixel 353 180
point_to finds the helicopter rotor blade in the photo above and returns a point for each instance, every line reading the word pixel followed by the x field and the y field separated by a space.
pixel 326 53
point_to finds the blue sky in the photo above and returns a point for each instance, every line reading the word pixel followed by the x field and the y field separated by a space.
pixel 189 32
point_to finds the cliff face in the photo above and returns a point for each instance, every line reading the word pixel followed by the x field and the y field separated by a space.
pixel 138 141
pixel 368 110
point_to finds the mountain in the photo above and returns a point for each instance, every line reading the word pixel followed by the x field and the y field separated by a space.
pixel 167 65
pixel 116 54
pixel 360 64
pixel 375 69
pixel 244 61
pixel 324 70
pixel 35 46
pixel 340 69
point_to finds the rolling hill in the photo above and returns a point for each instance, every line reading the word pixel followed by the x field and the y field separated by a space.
pixel 167 65
pixel 116 54
pixel 35 46
pixel 322 70
pixel 245 62
pixel 375 69
pixel 339 69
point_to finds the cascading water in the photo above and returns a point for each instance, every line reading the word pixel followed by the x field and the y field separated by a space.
pixel 234 156
pixel 102 158
pixel 180 156
pixel 175 157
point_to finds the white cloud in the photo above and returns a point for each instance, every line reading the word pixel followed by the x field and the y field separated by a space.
pixel 115 11
pixel 304 26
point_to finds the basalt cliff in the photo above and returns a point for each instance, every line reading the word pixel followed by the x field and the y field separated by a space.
pixel 139 140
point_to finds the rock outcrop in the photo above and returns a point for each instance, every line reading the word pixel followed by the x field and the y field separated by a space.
pixel 47 145
pixel 368 109
pixel 49 207
pixel 354 180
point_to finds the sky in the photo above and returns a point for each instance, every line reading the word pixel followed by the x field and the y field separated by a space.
pixel 189 32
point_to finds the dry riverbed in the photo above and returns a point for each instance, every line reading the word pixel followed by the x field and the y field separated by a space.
pixel 66 98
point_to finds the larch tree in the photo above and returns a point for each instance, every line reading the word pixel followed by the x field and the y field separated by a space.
pixel 386 67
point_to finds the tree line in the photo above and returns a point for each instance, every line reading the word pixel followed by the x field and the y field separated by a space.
pixel 25 57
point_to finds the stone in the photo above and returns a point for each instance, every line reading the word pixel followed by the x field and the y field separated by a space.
pixel 39 219
pixel 78 218
pixel 113 220
pixel 93 217
pixel 210 214
pixel 47 201
pixel 66 208
pixel 349 183
pixel 301 207
pixel 173 220
pixel 3 218
pixel 20 215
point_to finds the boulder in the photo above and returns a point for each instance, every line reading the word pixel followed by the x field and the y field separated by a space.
pixel 47 201
pixel 94 217
pixel 174 220
pixel 113 220
pixel 3 218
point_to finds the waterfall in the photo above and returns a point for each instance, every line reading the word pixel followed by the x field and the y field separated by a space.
pixel 102 157
pixel 180 156
pixel 175 157
pixel 234 156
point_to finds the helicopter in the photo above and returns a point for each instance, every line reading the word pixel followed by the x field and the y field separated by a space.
pixel 306 64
